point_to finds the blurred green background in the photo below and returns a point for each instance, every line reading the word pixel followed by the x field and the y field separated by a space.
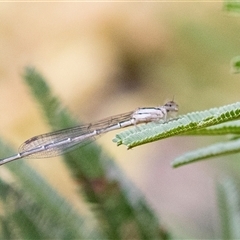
pixel 103 59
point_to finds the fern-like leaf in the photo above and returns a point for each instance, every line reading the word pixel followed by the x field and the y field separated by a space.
pixel 102 182
pixel 35 210
pixel 229 208
pixel 218 149
pixel 183 124
pixel 232 128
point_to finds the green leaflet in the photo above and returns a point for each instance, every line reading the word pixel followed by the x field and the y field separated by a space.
pixel 214 150
pixel 228 197
pixel 220 129
pixel 183 124
pixel 56 114
pixel 32 209
pixel 119 205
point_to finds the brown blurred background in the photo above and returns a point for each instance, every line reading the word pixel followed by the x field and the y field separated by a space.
pixel 103 59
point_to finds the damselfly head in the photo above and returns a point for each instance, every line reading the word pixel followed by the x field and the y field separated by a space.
pixel 171 106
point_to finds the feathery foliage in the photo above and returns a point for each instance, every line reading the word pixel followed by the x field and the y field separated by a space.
pixel 32 209
pixel 228 196
pixel 120 210
pixel 214 121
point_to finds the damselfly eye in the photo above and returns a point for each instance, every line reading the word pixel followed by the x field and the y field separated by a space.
pixel 171 106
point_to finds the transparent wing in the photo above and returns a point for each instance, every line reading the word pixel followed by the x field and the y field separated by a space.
pixel 59 142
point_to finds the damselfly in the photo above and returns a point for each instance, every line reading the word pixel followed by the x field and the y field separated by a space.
pixel 59 142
